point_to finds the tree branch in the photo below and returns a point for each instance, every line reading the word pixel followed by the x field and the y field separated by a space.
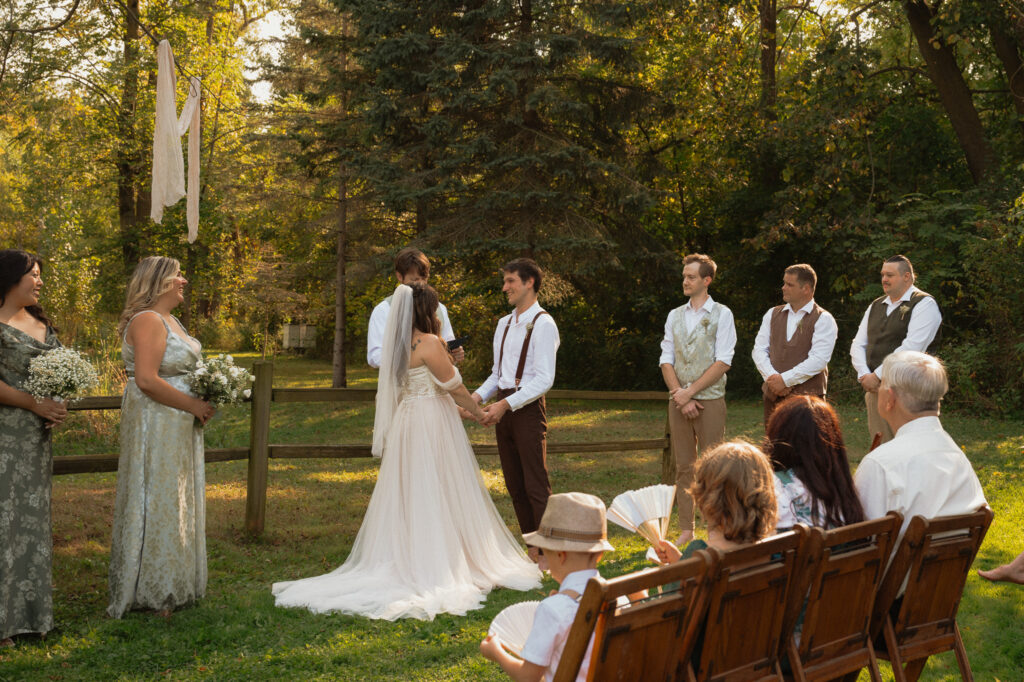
pixel 45 29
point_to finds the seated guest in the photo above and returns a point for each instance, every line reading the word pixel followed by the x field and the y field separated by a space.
pixel 572 537
pixel 921 471
pixel 813 484
pixel 734 490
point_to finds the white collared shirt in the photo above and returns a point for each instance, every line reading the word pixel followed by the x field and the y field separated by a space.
pixel 925 319
pixel 823 341
pixel 921 471
pixel 379 322
pixel 551 625
pixel 725 338
pixel 539 372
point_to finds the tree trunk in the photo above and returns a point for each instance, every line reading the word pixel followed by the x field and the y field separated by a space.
pixel 338 355
pixel 953 91
pixel 769 47
pixel 127 154
pixel 1006 49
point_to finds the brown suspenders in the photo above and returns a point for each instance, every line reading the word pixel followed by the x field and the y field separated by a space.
pixel 526 346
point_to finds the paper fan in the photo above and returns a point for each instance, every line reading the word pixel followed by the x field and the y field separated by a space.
pixel 513 624
pixel 645 511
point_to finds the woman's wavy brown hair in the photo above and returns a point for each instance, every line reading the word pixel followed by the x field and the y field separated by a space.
pixel 15 264
pixel 734 488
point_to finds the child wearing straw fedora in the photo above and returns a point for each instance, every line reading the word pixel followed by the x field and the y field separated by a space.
pixel 572 538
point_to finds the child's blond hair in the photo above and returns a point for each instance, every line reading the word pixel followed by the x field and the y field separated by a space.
pixel 734 488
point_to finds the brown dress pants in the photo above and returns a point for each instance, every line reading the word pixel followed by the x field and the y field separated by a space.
pixel 687 435
pixel 523 449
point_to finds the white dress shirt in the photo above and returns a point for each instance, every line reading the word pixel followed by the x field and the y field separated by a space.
pixel 823 341
pixel 921 471
pixel 539 372
pixel 925 319
pixel 551 625
pixel 725 338
pixel 379 322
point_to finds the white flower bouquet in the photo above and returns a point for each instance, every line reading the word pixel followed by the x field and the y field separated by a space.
pixel 219 381
pixel 60 374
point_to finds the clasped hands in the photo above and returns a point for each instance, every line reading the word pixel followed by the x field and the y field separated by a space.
pixel 684 401
pixel 492 414
pixel 776 386
pixel 54 413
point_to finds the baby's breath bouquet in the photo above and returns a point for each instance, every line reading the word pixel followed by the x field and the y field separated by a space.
pixel 60 374
pixel 219 381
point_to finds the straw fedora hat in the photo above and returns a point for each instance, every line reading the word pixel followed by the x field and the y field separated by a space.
pixel 572 522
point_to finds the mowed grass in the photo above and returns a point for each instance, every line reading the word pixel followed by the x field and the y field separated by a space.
pixel 314 510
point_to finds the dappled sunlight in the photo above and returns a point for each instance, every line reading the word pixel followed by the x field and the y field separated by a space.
pixel 343 476
pixel 226 491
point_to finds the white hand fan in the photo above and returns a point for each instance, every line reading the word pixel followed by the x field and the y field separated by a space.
pixel 513 624
pixel 645 511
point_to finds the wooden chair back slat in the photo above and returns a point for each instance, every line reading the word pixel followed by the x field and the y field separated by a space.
pixel 932 561
pixel 646 640
pixel 747 609
pixel 840 579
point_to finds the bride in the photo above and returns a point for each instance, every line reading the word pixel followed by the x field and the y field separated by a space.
pixel 431 541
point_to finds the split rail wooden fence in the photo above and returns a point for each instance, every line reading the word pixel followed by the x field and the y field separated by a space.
pixel 261 450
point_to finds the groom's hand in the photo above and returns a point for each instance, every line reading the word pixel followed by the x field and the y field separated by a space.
pixel 494 412
pixel 458 355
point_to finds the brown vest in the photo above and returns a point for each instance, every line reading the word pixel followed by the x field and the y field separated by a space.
pixel 886 332
pixel 786 354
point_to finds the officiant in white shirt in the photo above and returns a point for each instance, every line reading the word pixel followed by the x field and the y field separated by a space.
pixel 411 266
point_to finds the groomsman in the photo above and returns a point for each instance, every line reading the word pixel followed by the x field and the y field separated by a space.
pixel 904 318
pixel 411 266
pixel 525 344
pixel 794 345
pixel 696 352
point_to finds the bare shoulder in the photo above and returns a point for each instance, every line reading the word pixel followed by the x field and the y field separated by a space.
pixel 146 328
pixel 427 345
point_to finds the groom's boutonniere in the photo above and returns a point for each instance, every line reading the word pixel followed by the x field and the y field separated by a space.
pixel 706 323
pixel 904 309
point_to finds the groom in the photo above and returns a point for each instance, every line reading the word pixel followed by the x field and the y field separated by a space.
pixel 525 344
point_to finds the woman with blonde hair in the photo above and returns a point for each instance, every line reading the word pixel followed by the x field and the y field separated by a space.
pixel 734 489
pixel 158 546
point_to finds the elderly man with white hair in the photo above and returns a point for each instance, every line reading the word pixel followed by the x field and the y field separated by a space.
pixel 921 471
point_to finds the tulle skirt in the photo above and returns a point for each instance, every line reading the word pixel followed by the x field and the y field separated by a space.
pixel 432 540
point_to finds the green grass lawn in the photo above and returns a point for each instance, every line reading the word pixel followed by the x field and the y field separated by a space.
pixel 315 507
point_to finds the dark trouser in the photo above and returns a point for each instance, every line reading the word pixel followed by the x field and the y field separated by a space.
pixel 522 447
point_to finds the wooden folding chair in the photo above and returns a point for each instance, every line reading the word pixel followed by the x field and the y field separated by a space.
pixel 645 640
pixel 933 560
pixel 838 583
pixel 747 609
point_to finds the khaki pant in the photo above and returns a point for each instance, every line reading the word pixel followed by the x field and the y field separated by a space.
pixel 688 437
pixel 875 422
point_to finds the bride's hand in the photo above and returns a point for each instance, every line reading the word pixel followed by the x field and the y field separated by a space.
pixel 465 414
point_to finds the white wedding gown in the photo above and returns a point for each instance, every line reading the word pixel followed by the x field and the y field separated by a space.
pixel 431 541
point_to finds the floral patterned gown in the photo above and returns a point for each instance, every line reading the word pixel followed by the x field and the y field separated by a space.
pixel 158 544
pixel 26 464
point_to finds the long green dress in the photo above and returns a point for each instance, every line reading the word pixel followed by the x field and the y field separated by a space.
pixel 158 541
pixel 26 466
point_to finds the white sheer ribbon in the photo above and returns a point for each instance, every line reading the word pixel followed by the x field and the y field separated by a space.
pixel 394 365
pixel 168 162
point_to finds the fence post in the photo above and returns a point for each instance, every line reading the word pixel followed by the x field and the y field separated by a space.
pixel 259 447
pixel 668 460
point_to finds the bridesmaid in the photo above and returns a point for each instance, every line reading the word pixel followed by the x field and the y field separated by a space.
pixel 158 545
pixel 26 541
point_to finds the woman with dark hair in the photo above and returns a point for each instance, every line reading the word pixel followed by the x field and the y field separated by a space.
pixel 812 475
pixel 26 541
pixel 431 541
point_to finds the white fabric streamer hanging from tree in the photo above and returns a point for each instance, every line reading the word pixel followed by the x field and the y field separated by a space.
pixel 168 164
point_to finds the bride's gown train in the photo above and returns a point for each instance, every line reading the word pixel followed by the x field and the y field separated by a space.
pixel 432 540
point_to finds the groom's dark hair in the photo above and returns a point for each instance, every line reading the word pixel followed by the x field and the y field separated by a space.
pixel 525 268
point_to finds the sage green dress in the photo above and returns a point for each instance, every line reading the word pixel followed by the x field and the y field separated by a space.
pixel 158 543
pixel 26 465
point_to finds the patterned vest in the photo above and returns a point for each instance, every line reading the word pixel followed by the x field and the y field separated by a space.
pixel 886 332
pixel 695 351
pixel 786 354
